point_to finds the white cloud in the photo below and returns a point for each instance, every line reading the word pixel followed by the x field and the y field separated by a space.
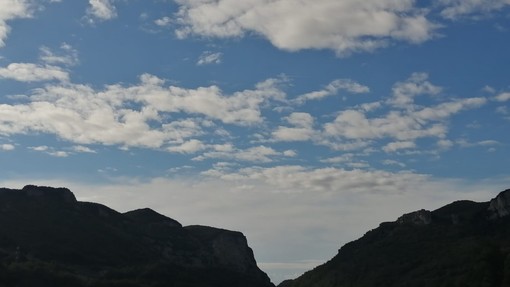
pixel 59 153
pixel 68 55
pixel 395 146
pixel 301 130
pixel 393 162
pixel 7 147
pixel 10 10
pixel 298 179
pixel 354 125
pixel 27 72
pixel 290 153
pixel 503 97
pixel 484 143
pixel 83 149
pixel 445 144
pixel 405 92
pixel 454 9
pixel 333 88
pixel 163 22
pixel 348 157
pixel 39 148
pixel 137 115
pixel 405 121
pixel 50 151
pixel 209 57
pixel 343 26
pixel 252 154
pixel 191 146
pixel 102 9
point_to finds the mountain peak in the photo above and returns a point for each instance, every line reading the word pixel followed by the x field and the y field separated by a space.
pixel 500 205
pixel 149 216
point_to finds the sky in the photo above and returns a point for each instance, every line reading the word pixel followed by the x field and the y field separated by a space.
pixel 301 123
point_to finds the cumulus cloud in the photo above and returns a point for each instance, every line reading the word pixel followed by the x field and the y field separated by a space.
pixel 191 146
pixel 28 72
pixel 163 22
pixel 137 115
pixel 102 9
pixel 301 130
pixel 10 10
pixel 50 151
pixel 404 121
pixel 395 146
pixel 333 88
pixel 208 57
pixel 405 92
pixel 342 26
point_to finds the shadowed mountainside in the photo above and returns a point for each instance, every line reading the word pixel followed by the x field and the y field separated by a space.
pixel 463 244
pixel 48 238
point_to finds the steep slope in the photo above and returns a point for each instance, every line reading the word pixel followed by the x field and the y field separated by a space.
pixel 48 238
pixel 462 244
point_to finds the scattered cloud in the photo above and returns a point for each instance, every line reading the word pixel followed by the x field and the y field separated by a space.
pixel 138 115
pixel 50 151
pixel 405 121
pixel 299 178
pixel 405 92
pixel 101 10
pixel 503 97
pixel 301 130
pixel 252 154
pixel 82 149
pixel 445 144
pixel 332 89
pixel 28 72
pixel 191 146
pixel 395 146
pixel 10 10
pixel 342 26
pixel 393 162
pixel 209 57
pixel 7 147
pixel 484 143
pixel 455 9
pixel 68 56
pixel 163 22
pixel 348 157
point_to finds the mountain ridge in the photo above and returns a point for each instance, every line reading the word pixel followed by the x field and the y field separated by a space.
pixel 463 243
pixel 48 238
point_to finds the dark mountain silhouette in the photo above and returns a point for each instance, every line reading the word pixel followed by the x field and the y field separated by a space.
pixel 463 244
pixel 48 238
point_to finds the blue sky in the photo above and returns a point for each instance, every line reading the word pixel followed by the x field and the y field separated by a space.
pixel 301 123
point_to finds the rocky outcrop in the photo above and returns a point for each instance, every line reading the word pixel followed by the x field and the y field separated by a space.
pixel 420 217
pixel 500 206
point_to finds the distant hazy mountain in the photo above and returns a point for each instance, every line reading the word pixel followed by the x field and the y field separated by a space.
pixel 47 238
pixel 461 244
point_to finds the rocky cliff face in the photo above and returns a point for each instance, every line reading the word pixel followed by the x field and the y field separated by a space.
pixel 92 244
pixel 500 206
